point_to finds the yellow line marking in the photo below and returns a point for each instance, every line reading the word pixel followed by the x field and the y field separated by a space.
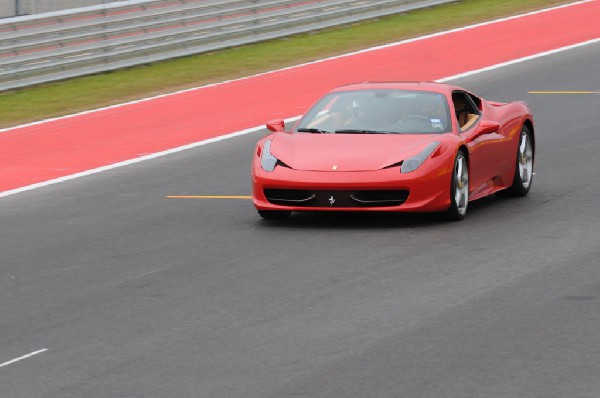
pixel 563 92
pixel 210 197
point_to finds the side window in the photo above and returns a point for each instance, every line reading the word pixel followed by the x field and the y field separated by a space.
pixel 466 109
pixel 476 101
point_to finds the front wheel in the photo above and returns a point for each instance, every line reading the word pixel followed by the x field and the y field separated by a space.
pixel 274 214
pixel 524 167
pixel 459 189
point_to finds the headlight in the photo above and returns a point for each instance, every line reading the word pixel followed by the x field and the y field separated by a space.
pixel 267 160
pixel 411 164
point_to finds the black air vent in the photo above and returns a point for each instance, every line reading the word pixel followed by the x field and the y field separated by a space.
pixel 340 198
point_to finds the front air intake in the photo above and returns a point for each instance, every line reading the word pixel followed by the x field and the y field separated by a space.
pixel 337 198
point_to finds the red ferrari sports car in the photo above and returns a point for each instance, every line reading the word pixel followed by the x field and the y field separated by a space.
pixel 402 147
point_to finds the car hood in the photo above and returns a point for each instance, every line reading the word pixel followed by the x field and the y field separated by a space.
pixel 346 152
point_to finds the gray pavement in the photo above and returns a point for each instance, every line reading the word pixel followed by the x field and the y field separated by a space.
pixel 136 295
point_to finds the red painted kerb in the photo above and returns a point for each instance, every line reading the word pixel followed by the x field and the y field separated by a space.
pixel 42 152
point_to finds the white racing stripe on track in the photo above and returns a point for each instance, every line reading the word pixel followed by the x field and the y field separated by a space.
pixel 258 128
pixel 23 357
pixel 136 160
pixel 518 60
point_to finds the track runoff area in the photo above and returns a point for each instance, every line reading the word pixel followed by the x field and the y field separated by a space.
pixel 61 149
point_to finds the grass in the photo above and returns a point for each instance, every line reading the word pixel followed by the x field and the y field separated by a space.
pixel 51 100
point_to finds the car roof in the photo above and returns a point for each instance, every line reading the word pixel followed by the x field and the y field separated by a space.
pixel 410 86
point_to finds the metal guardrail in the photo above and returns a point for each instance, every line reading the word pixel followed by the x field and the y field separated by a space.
pixel 61 45
pixel 13 8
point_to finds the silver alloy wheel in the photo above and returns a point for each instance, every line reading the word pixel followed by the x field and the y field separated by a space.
pixel 461 188
pixel 525 160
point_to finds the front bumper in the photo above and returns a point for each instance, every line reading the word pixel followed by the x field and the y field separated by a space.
pixel 288 189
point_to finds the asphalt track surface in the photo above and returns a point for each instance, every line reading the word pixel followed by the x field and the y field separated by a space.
pixel 137 295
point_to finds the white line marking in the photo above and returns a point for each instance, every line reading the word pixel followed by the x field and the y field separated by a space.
pixel 258 128
pixel 136 160
pixel 305 64
pixel 519 60
pixel 23 357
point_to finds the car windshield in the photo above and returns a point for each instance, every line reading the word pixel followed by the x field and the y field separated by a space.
pixel 378 112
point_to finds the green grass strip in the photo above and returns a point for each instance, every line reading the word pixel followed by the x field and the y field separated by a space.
pixel 78 94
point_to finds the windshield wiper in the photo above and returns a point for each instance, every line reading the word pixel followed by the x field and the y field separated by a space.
pixel 312 130
pixel 356 131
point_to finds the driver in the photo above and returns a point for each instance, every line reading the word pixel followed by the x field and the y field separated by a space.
pixel 432 110
pixel 426 114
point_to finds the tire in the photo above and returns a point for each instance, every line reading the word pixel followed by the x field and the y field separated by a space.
pixel 524 167
pixel 274 214
pixel 459 189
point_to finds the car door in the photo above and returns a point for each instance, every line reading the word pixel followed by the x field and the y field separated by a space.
pixel 482 140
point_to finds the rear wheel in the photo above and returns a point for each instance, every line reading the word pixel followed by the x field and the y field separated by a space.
pixel 274 214
pixel 524 168
pixel 459 189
